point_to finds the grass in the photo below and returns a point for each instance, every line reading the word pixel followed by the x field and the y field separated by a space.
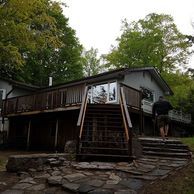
pixel 190 142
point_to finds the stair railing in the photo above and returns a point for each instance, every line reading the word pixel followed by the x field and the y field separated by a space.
pixel 126 119
pixel 82 112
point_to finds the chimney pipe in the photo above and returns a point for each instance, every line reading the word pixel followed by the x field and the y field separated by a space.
pixel 50 81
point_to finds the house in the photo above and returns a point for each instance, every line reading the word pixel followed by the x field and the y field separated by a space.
pixel 100 113
pixel 10 89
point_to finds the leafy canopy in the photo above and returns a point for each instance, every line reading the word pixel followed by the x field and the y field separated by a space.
pixel 36 42
pixel 91 62
pixel 153 41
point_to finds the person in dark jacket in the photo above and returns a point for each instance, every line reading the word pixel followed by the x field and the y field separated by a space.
pixel 160 114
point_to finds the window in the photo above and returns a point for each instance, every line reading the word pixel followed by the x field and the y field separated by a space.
pixel 2 96
pixel 103 93
pixel 147 94
pixel 112 91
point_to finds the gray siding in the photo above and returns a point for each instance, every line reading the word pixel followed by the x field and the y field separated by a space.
pixel 143 79
pixel 5 85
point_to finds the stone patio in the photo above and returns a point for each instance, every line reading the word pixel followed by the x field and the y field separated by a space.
pixel 94 177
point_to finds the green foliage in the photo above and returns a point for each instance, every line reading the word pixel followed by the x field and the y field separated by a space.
pixel 183 88
pixel 153 41
pixel 91 62
pixel 37 42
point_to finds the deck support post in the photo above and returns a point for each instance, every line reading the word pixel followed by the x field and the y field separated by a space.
pixel 56 133
pixel 28 135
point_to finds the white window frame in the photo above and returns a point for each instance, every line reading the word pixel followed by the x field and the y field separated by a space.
pixel 4 93
pixel 108 82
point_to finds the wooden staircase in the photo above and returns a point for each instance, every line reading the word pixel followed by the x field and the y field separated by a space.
pixel 155 147
pixel 103 137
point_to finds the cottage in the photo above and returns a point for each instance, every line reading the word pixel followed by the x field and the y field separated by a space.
pixel 100 113
pixel 10 89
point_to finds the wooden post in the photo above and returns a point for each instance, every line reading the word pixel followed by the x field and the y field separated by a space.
pixel 56 133
pixel 28 137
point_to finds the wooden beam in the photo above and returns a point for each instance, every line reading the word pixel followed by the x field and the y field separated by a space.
pixel 28 135
pixel 125 108
pixel 124 120
pixel 56 133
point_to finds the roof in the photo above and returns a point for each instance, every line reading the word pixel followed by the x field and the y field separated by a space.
pixel 21 85
pixel 116 74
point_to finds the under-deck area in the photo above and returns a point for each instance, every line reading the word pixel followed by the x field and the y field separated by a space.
pixel 46 131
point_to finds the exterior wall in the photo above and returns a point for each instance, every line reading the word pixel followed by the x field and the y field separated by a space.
pixel 7 87
pixel 143 79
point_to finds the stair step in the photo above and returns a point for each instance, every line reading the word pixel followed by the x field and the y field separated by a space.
pixel 166 154
pixel 166 144
pixel 165 149
pixel 104 115
pixel 105 142
pixel 105 148
pixel 101 121
pixel 158 140
pixel 104 157
pixel 105 126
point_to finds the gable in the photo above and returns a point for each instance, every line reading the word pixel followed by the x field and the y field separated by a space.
pixel 144 79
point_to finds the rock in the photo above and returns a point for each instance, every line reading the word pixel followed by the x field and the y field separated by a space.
pixel 43 176
pixel 70 147
pixel 49 160
pixel 22 186
pixel 95 183
pixel 71 186
pixel 112 182
pixel 55 180
pixel 3 183
pixel 12 192
pixel 74 177
pixel 137 149
pixel 39 187
pixel 55 163
pixel 56 173
pixel 31 161
pixel 88 173
pixel 100 191
pixel 114 177
pixel 23 174
pixel 133 184
pixel 125 192
pixel 159 172
pixel 85 188
pixel 31 170
pixel 29 180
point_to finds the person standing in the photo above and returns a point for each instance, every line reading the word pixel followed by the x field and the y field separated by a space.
pixel 160 114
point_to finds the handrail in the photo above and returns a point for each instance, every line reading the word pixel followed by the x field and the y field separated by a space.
pixel 124 121
pixel 83 112
pixel 82 106
pixel 125 108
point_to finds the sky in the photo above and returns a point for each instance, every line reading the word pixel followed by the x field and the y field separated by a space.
pixel 98 22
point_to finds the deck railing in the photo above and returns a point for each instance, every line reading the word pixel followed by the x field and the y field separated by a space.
pixel 44 100
pixel 132 96
pixel 173 114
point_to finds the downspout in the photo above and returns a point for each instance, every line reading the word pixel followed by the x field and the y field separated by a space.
pixel 4 107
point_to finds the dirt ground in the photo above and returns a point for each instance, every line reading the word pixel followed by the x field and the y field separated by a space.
pixel 182 182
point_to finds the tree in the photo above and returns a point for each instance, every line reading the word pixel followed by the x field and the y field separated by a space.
pixel 91 62
pixel 153 41
pixel 37 42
